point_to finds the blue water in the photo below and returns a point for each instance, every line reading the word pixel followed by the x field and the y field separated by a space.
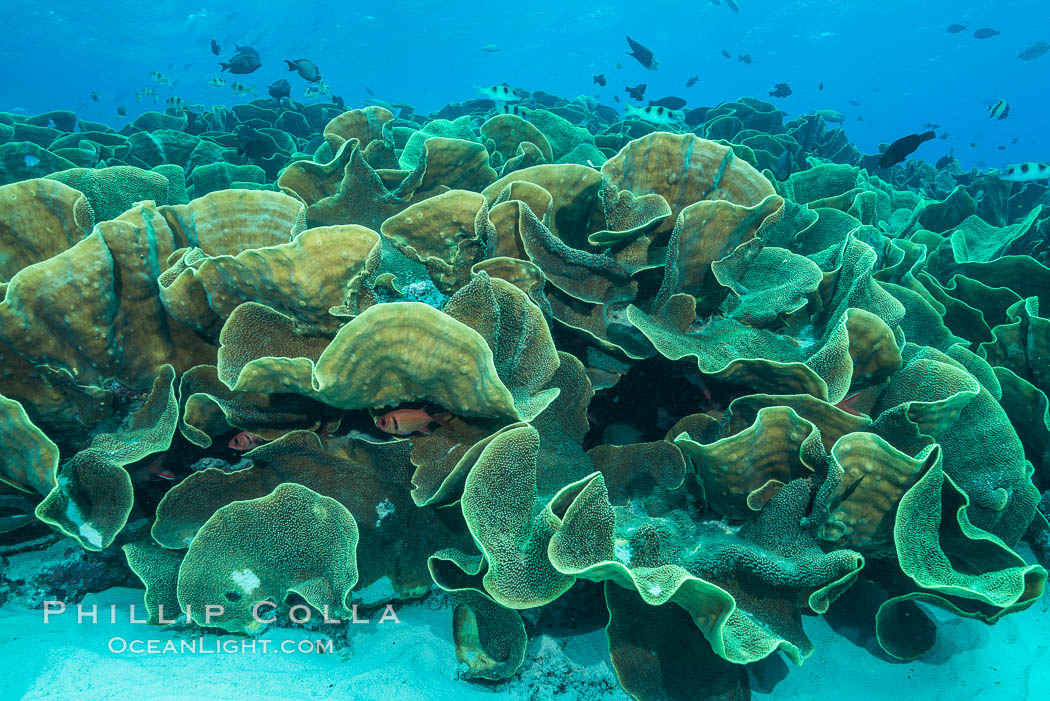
pixel 894 57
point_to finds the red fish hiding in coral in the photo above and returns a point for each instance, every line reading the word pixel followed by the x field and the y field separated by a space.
pixel 244 441
pixel 403 422
pixel 849 404
pixel 153 470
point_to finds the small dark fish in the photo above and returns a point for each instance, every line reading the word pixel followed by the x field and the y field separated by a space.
pixel 619 65
pixel 616 98
pixel 490 48
pixel 853 103
pixel 215 48
pixel 280 89
pixel 600 79
pixel 637 92
pixel 780 90
pixel 732 6
pixel 338 102
pixel 369 91
pixel 242 64
pixel 929 125
pixel 903 147
pixel 985 33
pixel 973 144
pixel 875 88
pixel 860 118
pixel 821 86
pixel 956 28
pixel 1014 141
pixel 1000 110
pixel 307 69
pixel 746 58
pixel 122 111
pixel 1001 147
pixel 671 103
pixel 1034 51
pixel 692 81
pixel 945 160
pixel 94 95
pixel 245 50
pixel 726 54
pixel 641 54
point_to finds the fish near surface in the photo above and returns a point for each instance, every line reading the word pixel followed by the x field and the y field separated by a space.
pixel 403 422
pixel 641 54
pixel 903 147
pixel 1000 110
pixel 1034 51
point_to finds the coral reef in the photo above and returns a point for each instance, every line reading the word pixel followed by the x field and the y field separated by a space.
pixel 720 374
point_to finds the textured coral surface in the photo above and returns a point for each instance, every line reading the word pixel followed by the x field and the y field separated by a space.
pixel 713 379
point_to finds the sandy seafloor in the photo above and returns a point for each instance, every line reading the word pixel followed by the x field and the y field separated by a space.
pixel 416 661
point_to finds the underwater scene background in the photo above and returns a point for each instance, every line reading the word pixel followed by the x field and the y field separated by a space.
pixel 552 351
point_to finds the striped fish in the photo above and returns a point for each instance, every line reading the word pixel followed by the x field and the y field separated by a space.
pixel 1025 172
pixel 1000 110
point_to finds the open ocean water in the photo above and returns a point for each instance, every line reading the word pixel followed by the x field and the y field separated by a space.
pixel 558 351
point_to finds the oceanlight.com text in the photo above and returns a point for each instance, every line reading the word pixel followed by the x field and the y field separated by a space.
pixel 214 646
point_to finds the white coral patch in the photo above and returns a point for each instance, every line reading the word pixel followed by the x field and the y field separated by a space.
pixel 384 509
pixel 90 534
pixel 246 580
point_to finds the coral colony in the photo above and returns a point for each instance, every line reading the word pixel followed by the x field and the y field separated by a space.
pixel 724 366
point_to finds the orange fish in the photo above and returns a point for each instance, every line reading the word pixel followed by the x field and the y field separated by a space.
pixel 245 441
pixel 405 421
